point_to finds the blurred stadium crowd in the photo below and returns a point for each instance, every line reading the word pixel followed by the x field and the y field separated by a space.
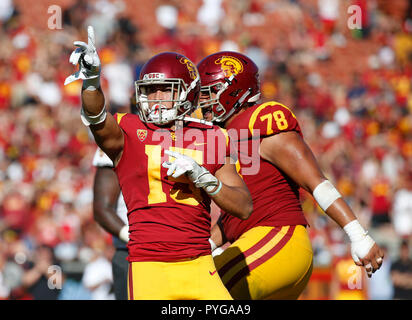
pixel 351 91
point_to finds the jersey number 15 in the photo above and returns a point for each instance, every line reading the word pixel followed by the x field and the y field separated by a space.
pixel 182 192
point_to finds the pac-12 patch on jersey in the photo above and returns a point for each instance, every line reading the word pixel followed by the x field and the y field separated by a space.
pixel 141 134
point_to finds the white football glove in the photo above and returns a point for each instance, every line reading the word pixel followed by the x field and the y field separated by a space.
pixel 89 63
pixel 199 175
pixel 124 234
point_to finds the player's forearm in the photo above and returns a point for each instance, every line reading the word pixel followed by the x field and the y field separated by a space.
pixel 106 192
pixel 330 200
pixel 92 101
pixel 340 212
pixel 364 250
pixel 108 219
pixel 234 200
pixel 104 127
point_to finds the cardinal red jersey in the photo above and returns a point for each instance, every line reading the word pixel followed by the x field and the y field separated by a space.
pixel 275 196
pixel 169 219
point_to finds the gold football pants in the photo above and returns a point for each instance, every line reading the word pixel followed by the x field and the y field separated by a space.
pixel 267 263
pixel 192 279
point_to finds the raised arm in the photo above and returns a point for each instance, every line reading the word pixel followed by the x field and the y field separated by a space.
pixel 289 152
pixel 107 134
pixel 106 131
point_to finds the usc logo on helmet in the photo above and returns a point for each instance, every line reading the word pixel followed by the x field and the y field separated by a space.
pixel 230 65
pixel 190 66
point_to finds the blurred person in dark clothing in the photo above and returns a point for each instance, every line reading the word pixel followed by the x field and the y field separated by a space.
pixel 401 273
pixel 40 281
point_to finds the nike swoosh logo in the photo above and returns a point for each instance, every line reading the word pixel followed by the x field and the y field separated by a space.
pixel 212 273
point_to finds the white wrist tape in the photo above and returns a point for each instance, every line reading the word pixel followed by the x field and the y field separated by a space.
pixel 217 252
pixel 124 233
pixel 361 242
pixel 91 84
pixel 219 186
pixel 355 231
pixel 88 120
pixel 213 245
pixel 325 194
pixel 214 248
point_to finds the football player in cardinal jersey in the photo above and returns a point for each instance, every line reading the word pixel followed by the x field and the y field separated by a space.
pixel 169 169
pixel 270 256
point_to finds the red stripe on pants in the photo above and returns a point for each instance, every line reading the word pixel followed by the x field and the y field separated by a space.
pixel 130 282
pixel 246 270
pixel 227 266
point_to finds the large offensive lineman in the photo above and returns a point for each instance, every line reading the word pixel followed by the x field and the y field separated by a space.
pixel 270 256
pixel 167 173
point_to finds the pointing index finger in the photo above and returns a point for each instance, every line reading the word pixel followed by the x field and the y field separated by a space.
pixel 90 36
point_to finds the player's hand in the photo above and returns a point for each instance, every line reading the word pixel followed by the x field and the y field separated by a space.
pixel 87 58
pixel 199 175
pixel 365 252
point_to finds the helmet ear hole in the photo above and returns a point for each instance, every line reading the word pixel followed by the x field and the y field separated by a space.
pixel 186 106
